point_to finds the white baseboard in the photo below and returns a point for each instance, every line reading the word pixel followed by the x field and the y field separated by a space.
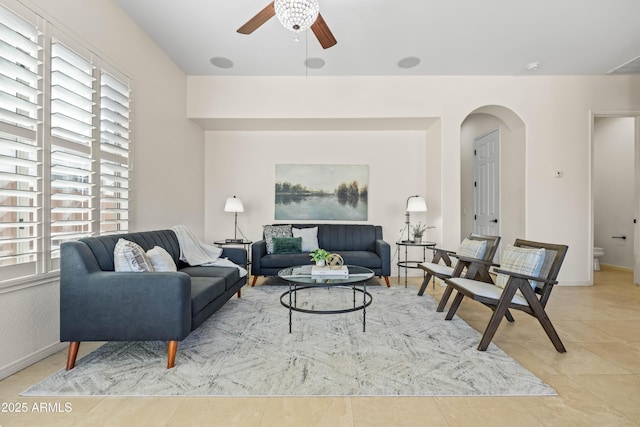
pixel 574 283
pixel 29 360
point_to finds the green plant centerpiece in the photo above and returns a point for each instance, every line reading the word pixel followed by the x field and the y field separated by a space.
pixel 418 232
pixel 320 256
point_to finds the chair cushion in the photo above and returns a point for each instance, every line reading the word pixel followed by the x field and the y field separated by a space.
pixel 271 231
pixel 231 275
pixel 129 256
pixel 287 245
pixel 309 238
pixel 486 290
pixel 437 270
pixel 283 261
pixel 203 291
pixel 527 261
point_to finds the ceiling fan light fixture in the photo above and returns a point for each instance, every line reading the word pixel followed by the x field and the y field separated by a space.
pixel 297 15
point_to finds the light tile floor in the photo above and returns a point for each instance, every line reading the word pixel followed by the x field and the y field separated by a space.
pixel 598 379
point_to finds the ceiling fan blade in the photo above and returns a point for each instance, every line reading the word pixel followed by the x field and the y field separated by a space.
pixel 254 23
pixel 323 33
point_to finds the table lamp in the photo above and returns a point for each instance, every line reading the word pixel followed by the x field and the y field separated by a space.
pixel 414 204
pixel 234 205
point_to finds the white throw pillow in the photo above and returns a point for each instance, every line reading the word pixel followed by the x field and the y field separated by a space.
pixel 526 261
pixel 129 256
pixel 309 238
pixel 161 260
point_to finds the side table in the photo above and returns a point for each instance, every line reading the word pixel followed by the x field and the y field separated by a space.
pixel 406 263
pixel 246 244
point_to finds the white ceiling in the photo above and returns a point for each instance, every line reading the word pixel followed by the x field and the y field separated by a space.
pixel 450 37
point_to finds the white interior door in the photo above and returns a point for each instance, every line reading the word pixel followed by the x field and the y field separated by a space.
pixel 487 183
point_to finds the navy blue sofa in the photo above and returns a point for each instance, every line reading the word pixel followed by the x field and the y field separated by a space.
pixel 358 244
pixel 100 304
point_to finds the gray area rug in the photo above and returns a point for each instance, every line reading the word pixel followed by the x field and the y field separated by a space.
pixel 245 349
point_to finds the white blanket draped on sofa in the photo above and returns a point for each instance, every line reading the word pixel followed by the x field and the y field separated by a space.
pixel 195 252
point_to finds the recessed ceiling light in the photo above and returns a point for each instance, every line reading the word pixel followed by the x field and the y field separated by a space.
pixel 221 62
pixel 408 62
pixel 533 66
pixel 315 63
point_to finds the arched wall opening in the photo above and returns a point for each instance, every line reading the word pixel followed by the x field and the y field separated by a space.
pixel 512 143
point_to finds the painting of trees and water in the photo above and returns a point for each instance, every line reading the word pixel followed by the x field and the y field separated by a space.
pixel 322 192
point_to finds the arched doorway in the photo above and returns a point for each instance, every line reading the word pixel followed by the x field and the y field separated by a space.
pixel 512 138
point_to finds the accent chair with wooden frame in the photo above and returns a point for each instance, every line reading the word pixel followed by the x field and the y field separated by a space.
pixel 478 270
pixel 524 292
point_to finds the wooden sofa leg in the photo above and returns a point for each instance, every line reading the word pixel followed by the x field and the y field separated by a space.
pixel 386 279
pixel 173 348
pixel 72 354
pixel 255 279
pixel 239 293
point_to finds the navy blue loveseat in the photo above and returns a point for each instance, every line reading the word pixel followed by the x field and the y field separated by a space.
pixel 100 304
pixel 358 244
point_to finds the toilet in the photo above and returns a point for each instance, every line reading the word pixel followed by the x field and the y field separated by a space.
pixel 597 254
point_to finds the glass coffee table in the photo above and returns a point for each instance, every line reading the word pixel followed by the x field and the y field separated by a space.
pixel 300 279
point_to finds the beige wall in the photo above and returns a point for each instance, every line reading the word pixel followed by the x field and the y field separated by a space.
pixel 167 148
pixel 167 151
pixel 243 164
pixel 556 112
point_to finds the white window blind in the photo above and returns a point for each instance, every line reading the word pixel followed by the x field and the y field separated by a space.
pixel 114 161
pixel 65 144
pixel 20 167
pixel 72 139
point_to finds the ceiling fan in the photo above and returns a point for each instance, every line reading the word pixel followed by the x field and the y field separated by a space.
pixel 295 15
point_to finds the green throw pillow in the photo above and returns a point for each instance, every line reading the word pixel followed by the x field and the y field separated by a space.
pixel 287 245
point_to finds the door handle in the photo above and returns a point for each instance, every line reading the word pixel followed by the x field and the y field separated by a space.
pixel 494 220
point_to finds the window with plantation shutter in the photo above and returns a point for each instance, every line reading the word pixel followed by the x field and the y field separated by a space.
pixel 20 166
pixel 114 161
pixel 71 146
pixel 65 141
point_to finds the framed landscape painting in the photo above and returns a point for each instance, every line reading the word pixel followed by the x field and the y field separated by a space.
pixel 322 192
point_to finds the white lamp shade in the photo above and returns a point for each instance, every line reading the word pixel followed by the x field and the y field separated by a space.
pixel 233 205
pixel 416 204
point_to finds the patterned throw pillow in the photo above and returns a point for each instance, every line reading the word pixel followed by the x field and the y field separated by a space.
pixel 287 245
pixel 161 260
pixel 129 256
pixel 521 260
pixel 470 249
pixel 309 238
pixel 271 231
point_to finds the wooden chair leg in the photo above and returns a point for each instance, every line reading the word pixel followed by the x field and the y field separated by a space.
pixel 386 279
pixel 546 324
pixel 425 283
pixel 509 316
pixel 171 352
pixel 499 312
pixel 72 354
pixel 253 282
pixel 454 306
pixel 444 299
